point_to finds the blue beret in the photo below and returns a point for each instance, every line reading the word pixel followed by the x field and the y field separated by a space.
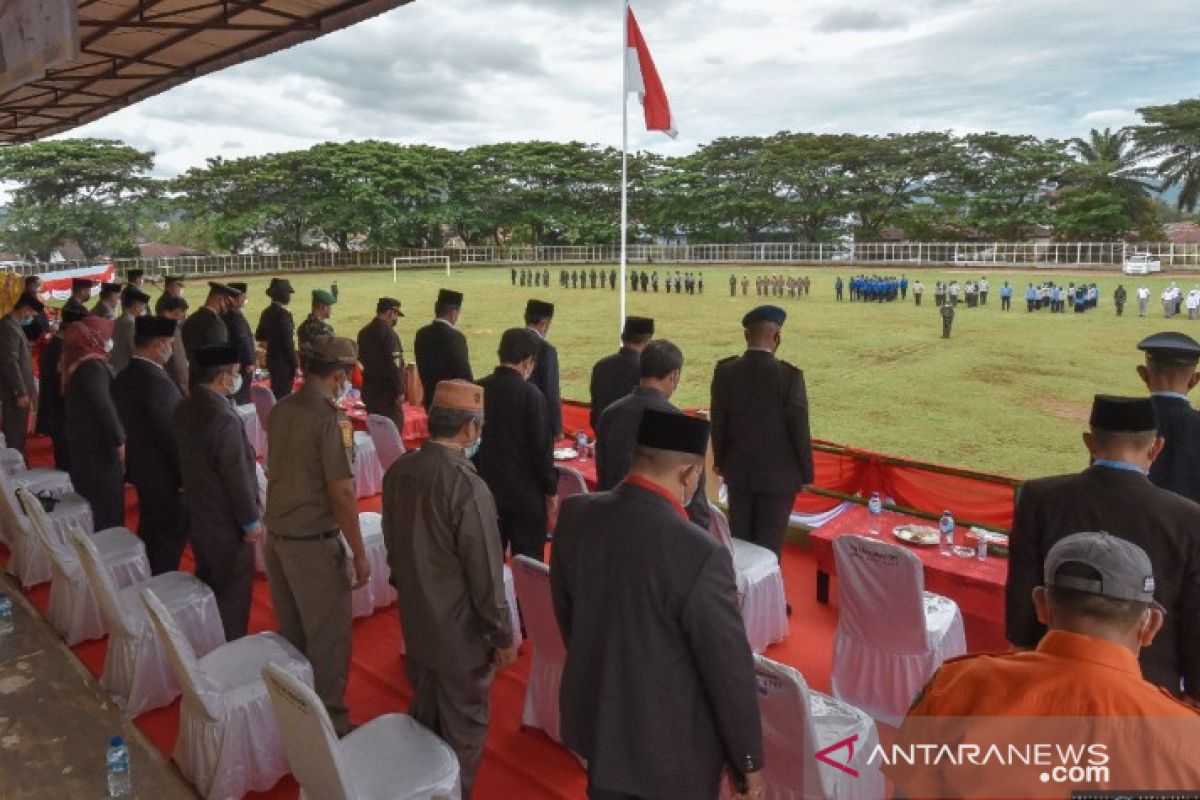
pixel 765 314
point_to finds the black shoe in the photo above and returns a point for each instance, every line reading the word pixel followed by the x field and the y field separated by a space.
pixel 789 609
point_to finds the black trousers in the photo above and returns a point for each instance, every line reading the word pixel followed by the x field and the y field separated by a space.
pixel 283 376
pixel 226 565
pixel 524 531
pixel 15 425
pixel 1005 303
pixel 161 526
pixel 760 518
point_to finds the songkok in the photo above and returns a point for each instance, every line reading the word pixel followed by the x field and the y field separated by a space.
pixel 450 299
pixel 30 301
pixel 223 289
pixel 280 286
pixel 171 280
pixel 134 274
pixel 217 355
pixel 172 303
pixel 538 309
pixel 70 317
pixel 148 326
pixel 638 326
pixel 666 430
pixel 388 304
pixel 458 395
pixel 108 289
pixel 773 314
pixel 323 296
pixel 239 286
pixel 81 283
pixel 1122 414
pixel 337 350
pixel 1171 348
pixel 1124 568
pixel 132 294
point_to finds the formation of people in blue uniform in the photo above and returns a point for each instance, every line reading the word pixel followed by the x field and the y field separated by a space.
pixel 875 288
pixel 1058 299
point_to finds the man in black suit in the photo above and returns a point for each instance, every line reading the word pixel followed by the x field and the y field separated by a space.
pixel 51 411
pixel 538 316
pixel 440 347
pixel 658 691
pixel 516 455
pixel 761 443
pixel 206 325
pixel 110 298
pixel 221 486
pixel 382 358
pixel 146 398
pixel 1114 495
pixel 172 287
pixel 277 331
pixel 240 337
pixel 81 292
pixel 616 433
pixel 1170 373
pixel 615 376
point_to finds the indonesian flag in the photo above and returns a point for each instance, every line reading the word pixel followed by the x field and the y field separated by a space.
pixel 642 77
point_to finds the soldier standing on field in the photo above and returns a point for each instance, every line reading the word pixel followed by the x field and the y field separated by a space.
pixel 947 312
pixel 315 324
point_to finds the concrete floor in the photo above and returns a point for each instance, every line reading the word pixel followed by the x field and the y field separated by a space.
pixel 55 723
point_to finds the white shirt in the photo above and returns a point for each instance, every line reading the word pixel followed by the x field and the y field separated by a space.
pixel 1143 293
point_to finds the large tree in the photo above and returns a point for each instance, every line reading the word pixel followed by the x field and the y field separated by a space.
pixel 1007 179
pixel 86 190
pixel 1105 193
pixel 1172 134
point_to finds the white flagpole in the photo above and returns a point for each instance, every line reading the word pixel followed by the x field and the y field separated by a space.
pixel 624 147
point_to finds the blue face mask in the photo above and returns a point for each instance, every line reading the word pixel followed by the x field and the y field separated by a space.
pixel 470 450
pixel 26 322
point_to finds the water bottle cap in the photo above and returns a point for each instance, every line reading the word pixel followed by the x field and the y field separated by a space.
pixel 117 741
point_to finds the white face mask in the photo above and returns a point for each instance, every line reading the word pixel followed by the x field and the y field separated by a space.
pixel 165 352
pixel 237 385
pixel 108 345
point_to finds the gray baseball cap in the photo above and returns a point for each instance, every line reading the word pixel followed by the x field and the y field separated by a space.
pixel 1125 569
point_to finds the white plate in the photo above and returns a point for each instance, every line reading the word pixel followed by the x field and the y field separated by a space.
pixel 565 454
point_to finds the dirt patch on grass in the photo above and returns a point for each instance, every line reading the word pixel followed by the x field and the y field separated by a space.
pixel 1072 412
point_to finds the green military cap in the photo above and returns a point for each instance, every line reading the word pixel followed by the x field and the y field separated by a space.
pixel 323 296
pixel 332 350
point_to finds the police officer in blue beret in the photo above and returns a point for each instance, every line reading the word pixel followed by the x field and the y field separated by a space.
pixel 1170 373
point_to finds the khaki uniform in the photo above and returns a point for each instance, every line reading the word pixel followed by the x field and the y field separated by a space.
pixel 310 445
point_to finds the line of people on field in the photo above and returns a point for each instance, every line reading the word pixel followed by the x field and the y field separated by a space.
pixel 775 285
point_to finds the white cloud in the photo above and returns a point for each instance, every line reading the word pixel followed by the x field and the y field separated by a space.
pixel 463 72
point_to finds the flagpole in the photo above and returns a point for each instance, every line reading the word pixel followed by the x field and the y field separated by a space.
pixel 624 147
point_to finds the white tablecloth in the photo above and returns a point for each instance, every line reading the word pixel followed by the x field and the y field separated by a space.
pixel 254 429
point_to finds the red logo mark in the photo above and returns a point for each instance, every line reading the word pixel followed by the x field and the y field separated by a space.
pixel 844 766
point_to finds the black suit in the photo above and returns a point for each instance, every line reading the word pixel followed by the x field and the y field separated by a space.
pixel 204 327
pixel 51 412
pixel 1177 467
pixel 146 397
pixel 76 306
pixel 382 357
pixel 545 377
pixel 277 330
pixel 238 329
pixel 516 459
pixel 761 443
pixel 94 436
pixel 658 691
pixel 217 463
pixel 616 439
pixel 613 377
pixel 1127 505
pixel 441 353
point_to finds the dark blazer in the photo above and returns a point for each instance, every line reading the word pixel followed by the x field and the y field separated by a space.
pixel 382 357
pixel 613 377
pixel 1124 504
pixel 658 692
pixel 1177 467
pixel 238 328
pixel 16 361
pixel 545 377
pixel 202 328
pixel 74 305
pixel 51 411
pixel 516 458
pixel 277 330
pixel 217 466
pixel 94 434
pixel 760 432
pixel 441 353
pixel 146 398
pixel 616 440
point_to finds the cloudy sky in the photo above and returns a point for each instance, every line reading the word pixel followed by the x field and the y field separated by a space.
pixel 463 72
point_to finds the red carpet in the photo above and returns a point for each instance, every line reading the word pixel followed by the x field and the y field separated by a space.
pixel 518 763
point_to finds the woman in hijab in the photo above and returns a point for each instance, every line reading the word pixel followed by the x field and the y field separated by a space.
pixel 95 438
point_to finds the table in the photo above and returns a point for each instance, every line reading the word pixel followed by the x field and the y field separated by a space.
pixel 416 422
pixel 977 586
pixel 585 467
pixel 254 429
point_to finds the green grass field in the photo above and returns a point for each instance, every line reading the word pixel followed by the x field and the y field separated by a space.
pixel 1008 393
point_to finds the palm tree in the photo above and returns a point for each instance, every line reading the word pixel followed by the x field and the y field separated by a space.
pixel 1172 133
pixel 1110 160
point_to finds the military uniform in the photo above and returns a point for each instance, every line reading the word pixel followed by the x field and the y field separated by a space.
pixel 310 445
pixel 947 312
pixel 312 327
pixel 277 330
pixel 382 358
pixel 16 381
pixel 441 353
pixel 202 328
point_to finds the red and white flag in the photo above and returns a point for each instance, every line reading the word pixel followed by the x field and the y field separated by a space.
pixel 642 77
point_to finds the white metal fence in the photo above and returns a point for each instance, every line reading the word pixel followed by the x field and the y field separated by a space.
pixel 875 255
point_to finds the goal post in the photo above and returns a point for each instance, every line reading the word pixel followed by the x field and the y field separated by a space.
pixel 418 261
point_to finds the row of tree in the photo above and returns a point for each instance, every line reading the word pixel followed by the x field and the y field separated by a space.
pixel 790 186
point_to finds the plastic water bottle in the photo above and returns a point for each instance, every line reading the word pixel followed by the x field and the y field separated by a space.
pixel 946 529
pixel 981 546
pixel 581 445
pixel 6 614
pixel 875 509
pixel 120 778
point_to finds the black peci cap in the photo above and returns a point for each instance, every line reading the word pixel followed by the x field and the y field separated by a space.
pixel 134 274
pixel 280 286
pixel 27 300
pixel 449 298
pixel 132 294
pixel 82 283
pixel 217 355
pixel 669 430
pixel 223 289
pixel 107 289
pixel 1171 347
pixel 1122 414
pixel 70 317
pixel 149 326
pixel 638 326
pixel 538 309
pixel 171 303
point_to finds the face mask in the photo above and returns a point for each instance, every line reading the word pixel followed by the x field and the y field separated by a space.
pixel 237 385
pixel 165 353
pixel 470 450
pixel 108 346
pixel 343 389
pixel 26 322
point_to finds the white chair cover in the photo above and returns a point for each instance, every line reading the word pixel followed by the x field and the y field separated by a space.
pixel 256 433
pixel 570 482
pixel 136 673
pixel 29 561
pixel 73 610
pixel 41 480
pixel 264 401
pixel 892 635
pixel 368 472
pixel 12 461
pixel 229 743
pixel 759 583
pixel 392 756
pixel 260 563
pixel 388 444
pixel 797 723
pixel 379 592
pixel 532 580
